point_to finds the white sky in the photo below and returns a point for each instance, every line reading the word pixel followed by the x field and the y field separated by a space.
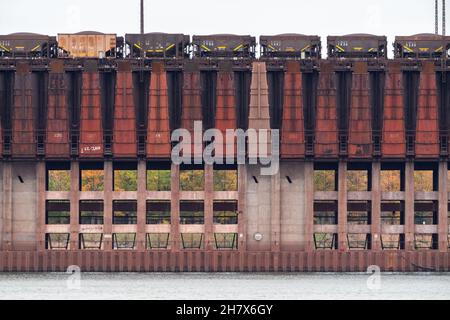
pixel 255 17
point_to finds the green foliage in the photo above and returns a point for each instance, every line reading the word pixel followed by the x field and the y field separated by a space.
pixel 357 180
pixel 125 180
pixel 192 180
pixel 225 180
pixel 324 180
pixel 92 180
pixel 158 180
pixel 58 180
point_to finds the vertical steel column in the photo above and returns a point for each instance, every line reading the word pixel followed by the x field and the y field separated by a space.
pixel 376 206
pixel 342 206
pixel 40 216
pixel 74 204
pixel 175 236
pixel 275 215
pixel 209 207
pixel 7 207
pixel 443 206
pixel 107 205
pixel 309 206
pixel 409 206
pixel 242 212
pixel 141 205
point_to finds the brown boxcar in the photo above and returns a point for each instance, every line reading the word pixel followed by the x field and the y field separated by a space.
pixel 57 137
pixel 226 111
pixel 224 45
pixel 158 129
pixel 124 141
pixel 394 138
pixel 292 130
pixel 91 135
pixel 326 123
pixel 23 114
pixel 88 44
pixel 427 131
pixel 192 104
pixel 360 126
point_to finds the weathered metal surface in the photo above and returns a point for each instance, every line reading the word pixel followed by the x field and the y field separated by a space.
pixel 124 145
pixel 223 261
pixel 421 46
pixel 394 138
pixel 192 104
pixel 357 46
pixel 158 134
pixel 427 130
pixel 290 45
pixel 226 110
pixel 91 135
pixel 23 114
pixel 360 128
pixel 224 45
pixel 326 143
pixel 88 45
pixel 162 45
pixel 293 133
pixel 27 45
pixel 57 137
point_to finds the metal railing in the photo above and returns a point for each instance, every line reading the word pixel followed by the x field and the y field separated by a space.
pixel 96 220
pixel 125 220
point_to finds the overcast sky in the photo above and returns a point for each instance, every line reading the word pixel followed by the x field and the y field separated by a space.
pixel 255 17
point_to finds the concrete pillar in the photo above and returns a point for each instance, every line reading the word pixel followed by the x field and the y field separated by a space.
pixel 342 206
pixel 141 205
pixel 409 206
pixel 309 206
pixel 209 207
pixel 275 215
pixel 443 206
pixel 242 212
pixel 376 206
pixel 7 207
pixel 40 216
pixel 74 204
pixel 107 203
pixel 175 236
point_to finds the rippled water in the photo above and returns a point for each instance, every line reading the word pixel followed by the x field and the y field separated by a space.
pixel 225 286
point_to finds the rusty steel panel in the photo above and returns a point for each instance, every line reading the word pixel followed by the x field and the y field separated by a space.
pixel 192 102
pixel 427 131
pixel 394 138
pixel 158 130
pixel 225 110
pixel 88 45
pixel 24 113
pixel 326 144
pixel 57 137
pixel 124 136
pixel 91 135
pixel 292 130
pixel 360 127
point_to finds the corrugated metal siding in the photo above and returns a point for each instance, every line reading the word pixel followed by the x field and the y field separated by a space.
pixel 293 135
pixel 326 123
pixel 394 139
pixel 91 137
pixel 427 136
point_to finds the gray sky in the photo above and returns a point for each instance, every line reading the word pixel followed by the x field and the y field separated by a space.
pixel 325 17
